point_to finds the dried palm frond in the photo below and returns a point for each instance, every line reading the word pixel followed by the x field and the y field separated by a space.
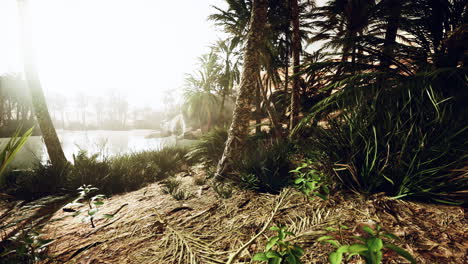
pixel 184 247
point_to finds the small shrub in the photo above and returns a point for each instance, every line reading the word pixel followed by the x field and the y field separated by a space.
pixel 169 160
pixel 407 141
pixel 249 182
pixel 87 169
pixel 92 204
pixel 126 172
pixel 370 248
pixel 27 247
pixel 171 185
pixel 310 181
pixel 111 175
pixel 278 250
pixel 40 181
pixel 181 194
pixel 223 189
pixel 265 167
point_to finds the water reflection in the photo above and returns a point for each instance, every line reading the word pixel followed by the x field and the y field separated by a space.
pixel 109 143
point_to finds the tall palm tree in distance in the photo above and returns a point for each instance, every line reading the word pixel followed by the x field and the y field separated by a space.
pixel 51 140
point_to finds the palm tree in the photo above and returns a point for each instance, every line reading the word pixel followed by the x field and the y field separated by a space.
pixel 394 8
pixel 296 50
pixel 340 23
pixel 275 50
pixel 240 123
pixel 235 20
pixel 54 149
pixel 200 105
pixel 202 88
pixel 229 55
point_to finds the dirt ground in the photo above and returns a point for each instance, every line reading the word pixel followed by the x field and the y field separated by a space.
pixel 150 226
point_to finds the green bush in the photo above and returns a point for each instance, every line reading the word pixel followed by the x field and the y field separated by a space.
pixel 89 170
pixel 42 180
pixel 405 140
pixel 310 182
pixel 371 247
pixel 172 186
pixel 224 190
pixel 265 166
pixel 25 247
pixel 123 173
pixel 279 250
pixel 127 172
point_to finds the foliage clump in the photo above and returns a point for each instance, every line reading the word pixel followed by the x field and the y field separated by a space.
pixel 279 250
pixel 119 174
pixel 265 166
pixel 371 246
pixel 403 141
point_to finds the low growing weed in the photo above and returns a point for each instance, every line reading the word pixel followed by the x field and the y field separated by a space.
pixel 171 185
pixel 280 251
pixel 224 190
pixel 371 246
pixel 29 248
pixel 310 181
pixel 181 194
pixel 93 204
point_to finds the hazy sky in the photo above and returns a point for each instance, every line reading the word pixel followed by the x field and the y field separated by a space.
pixel 139 47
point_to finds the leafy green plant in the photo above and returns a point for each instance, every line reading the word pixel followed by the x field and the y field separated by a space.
pixel 41 180
pixel 9 151
pixel 309 181
pixel 371 246
pixel 249 181
pixel 407 141
pixel 93 203
pixel 280 251
pixel 88 169
pixel 29 247
pixel 125 172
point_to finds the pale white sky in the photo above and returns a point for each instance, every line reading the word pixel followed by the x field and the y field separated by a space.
pixel 137 47
pixel 140 47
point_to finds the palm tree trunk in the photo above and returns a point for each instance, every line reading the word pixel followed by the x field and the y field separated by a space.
pixel 296 50
pixel 240 122
pixel 54 149
pixel 258 111
pixel 391 33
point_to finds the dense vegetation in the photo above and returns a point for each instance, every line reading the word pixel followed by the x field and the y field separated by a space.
pixel 380 104
pixel 369 96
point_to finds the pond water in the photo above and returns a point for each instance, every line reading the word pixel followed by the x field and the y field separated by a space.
pixel 106 142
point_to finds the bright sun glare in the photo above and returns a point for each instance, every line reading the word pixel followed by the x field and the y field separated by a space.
pixel 137 47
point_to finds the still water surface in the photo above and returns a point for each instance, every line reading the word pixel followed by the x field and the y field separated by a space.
pixel 107 142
